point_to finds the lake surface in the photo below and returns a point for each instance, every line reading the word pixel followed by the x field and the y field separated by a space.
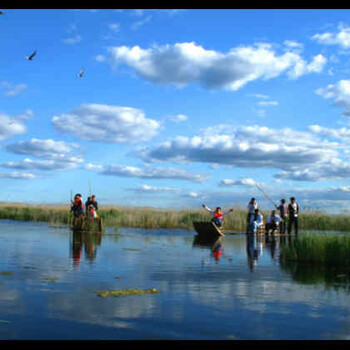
pixel 229 290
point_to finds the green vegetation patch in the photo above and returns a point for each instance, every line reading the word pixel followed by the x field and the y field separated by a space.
pixel 322 249
pixel 51 279
pixel 7 273
pixel 123 292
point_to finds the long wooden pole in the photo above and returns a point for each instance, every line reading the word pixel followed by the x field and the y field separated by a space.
pixel 265 194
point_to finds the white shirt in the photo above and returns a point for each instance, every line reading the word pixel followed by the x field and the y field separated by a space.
pixel 270 217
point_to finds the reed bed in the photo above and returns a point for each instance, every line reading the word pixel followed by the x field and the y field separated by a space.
pixel 329 250
pixel 144 217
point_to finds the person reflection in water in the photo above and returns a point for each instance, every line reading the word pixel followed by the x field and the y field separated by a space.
pixel 87 241
pixel 77 247
pixel 253 251
pixel 217 250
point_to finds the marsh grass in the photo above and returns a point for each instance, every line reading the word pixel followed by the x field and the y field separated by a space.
pixel 322 249
pixel 144 217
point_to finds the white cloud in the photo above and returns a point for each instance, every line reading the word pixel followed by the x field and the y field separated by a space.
pixel 17 175
pixel 105 123
pixel 233 183
pixel 114 27
pixel 340 38
pixel 178 118
pixel 13 90
pixel 341 133
pixel 267 103
pixel 147 173
pixel 153 189
pixel 294 45
pixel 334 169
pixel 188 63
pixel 246 147
pixel 58 150
pixel 136 25
pixel 72 40
pixel 340 93
pixel 64 163
pixel 12 126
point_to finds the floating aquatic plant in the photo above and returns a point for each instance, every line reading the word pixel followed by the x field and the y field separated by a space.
pixel 122 292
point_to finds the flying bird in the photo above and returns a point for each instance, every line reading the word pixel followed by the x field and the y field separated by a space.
pixel 29 58
pixel 81 73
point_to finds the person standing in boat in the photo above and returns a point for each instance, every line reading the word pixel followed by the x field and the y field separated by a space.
pixel 218 215
pixel 283 209
pixel 91 206
pixel 252 206
pixel 87 203
pixel 293 212
pixel 94 202
pixel 77 205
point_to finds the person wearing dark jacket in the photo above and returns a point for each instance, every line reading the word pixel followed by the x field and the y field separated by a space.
pixel 293 212
pixel 283 209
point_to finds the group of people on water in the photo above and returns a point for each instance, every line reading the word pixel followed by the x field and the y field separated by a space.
pixel 286 219
pixel 90 208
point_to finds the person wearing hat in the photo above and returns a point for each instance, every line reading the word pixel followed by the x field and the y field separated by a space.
pixel 293 212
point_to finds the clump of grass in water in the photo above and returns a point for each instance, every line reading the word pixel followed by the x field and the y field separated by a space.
pixel 326 249
pixel 51 279
pixel 123 292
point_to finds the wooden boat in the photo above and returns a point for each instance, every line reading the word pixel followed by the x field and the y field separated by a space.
pixel 207 229
pixel 83 223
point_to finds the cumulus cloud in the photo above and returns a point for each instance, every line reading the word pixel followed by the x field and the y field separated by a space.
pixel 12 126
pixel 245 147
pixel 341 37
pixel 188 63
pixel 147 173
pixel 43 148
pixel 340 133
pixel 105 123
pixel 334 169
pixel 340 93
pixel 64 163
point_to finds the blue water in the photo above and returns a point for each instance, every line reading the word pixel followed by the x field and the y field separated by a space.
pixel 49 278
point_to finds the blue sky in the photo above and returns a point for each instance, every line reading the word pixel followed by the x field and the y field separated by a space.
pixel 175 107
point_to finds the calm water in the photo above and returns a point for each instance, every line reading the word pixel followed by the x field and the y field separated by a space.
pixel 48 279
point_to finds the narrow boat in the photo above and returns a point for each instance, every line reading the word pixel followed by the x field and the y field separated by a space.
pixel 207 229
pixel 83 223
